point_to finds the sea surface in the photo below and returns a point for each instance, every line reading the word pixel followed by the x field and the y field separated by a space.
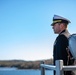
pixel 14 71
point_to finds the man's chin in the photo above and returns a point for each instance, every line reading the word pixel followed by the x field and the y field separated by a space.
pixel 55 33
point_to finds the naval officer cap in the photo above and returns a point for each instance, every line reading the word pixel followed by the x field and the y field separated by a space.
pixel 59 19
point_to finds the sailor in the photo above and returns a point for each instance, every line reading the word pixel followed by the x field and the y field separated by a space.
pixel 60 51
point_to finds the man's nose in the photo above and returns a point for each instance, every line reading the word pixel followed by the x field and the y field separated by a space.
pixel 52 27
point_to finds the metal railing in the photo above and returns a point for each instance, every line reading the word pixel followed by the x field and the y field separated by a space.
pixel 59 68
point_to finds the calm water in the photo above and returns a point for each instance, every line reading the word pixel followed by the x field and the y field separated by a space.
pixel 14 71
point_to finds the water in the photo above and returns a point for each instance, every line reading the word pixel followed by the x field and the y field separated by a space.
pixel 14 71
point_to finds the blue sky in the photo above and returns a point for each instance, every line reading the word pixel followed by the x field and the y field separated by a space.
pixel 25 31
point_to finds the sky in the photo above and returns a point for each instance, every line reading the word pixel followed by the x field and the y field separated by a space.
pixel 25 31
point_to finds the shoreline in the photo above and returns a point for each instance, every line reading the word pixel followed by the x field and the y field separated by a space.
pixel 19 64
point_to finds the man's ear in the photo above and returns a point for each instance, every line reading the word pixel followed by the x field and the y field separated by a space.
pixel 61 25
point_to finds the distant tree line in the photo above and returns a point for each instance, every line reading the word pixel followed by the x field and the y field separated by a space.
pixel 20 64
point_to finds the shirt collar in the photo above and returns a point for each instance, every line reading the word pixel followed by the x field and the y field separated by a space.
pixel 62 31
